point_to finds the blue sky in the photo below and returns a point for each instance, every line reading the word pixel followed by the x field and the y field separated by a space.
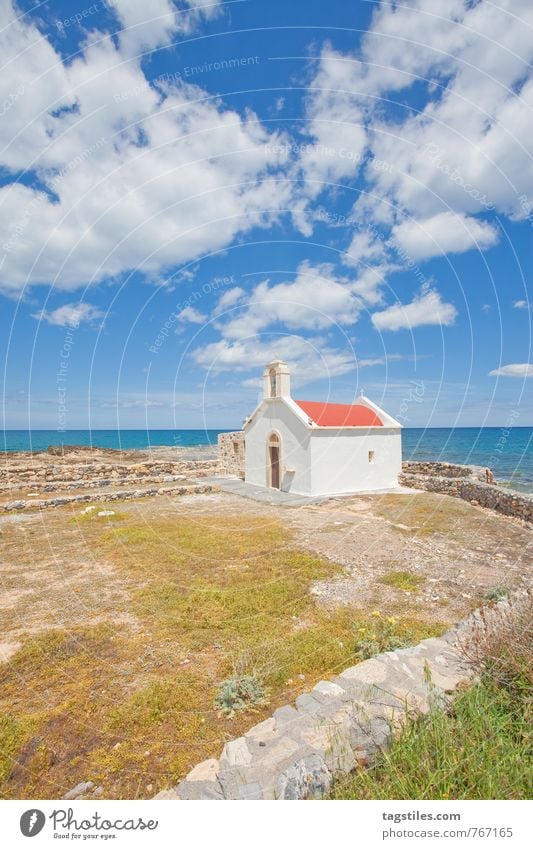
pixel 188 190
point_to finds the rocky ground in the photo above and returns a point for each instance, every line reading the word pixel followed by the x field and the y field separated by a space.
pixel 421 556
pixel 429 554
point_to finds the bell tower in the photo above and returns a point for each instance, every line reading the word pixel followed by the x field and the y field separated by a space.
pixel 277 380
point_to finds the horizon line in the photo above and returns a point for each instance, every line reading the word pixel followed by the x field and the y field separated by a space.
pixel 230 429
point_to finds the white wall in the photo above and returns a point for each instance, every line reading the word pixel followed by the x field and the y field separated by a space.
pixel 340 460
pixel 321 461
pixel 276 416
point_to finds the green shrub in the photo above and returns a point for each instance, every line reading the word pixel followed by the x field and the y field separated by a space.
pixel 241 692
pixel 379 634
pixel 496 593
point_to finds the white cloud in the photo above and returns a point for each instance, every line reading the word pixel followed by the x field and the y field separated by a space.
pixel 231 297
pixel 336 125
pixel 192 316
pixel 127 404
pixel 317 298
pixel 150 25
pixel 371 280
pixel 522 305
pixel 368 362
pixel 425 309
pixel 142 178
pixel 311 358
pixel 513 370
pixel 70 315
pixel 365 247
pixel 443 233
pixel 469 149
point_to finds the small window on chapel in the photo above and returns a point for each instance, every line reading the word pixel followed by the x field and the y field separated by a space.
pixel 235 447
pixel 272 375
pixel 370 456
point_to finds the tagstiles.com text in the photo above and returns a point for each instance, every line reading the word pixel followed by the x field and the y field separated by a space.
pixel 409 830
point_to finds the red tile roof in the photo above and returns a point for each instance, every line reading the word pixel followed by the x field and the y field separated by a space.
pixel 340 415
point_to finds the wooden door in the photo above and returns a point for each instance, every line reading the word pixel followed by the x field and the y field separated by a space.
pixel 274 466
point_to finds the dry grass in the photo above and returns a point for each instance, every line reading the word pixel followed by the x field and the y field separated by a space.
pixel 425 515
pixel 402 580
pixel 128 702
pixel 129 623
pixel 502 647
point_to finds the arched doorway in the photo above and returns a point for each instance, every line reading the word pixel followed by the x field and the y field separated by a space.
pixel 274 461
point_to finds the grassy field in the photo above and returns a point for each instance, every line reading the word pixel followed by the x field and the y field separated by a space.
pixel 127 700
pixel 479 749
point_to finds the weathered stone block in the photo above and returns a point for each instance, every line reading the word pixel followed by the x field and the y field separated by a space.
pixel 168 794
pixel 263 731
pixel 235 753
pixel 309 778
pixel 205 771
pixel 369 672
pixel 199 790
pixel 253 790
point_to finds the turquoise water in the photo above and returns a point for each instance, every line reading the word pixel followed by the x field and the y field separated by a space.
pixel 507 451
pixel 39 440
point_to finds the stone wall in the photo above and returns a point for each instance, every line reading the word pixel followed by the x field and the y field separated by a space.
pixel 117 495
pixel 71 474
pixel 76 479
pixel 445 470
pixel 342 723
pixel 49 476
pixel 469 487
pixel 231 453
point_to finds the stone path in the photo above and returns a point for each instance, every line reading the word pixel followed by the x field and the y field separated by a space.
pixel 296 753
pixel 236 486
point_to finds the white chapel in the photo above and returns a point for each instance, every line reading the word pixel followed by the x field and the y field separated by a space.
pixel 317 448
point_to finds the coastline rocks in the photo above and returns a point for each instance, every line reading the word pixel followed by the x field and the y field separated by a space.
pixel 441 469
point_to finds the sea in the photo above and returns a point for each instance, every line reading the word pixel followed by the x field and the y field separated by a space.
pixel 508 451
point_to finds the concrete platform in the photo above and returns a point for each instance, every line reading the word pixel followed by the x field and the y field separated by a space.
pixel 236 486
